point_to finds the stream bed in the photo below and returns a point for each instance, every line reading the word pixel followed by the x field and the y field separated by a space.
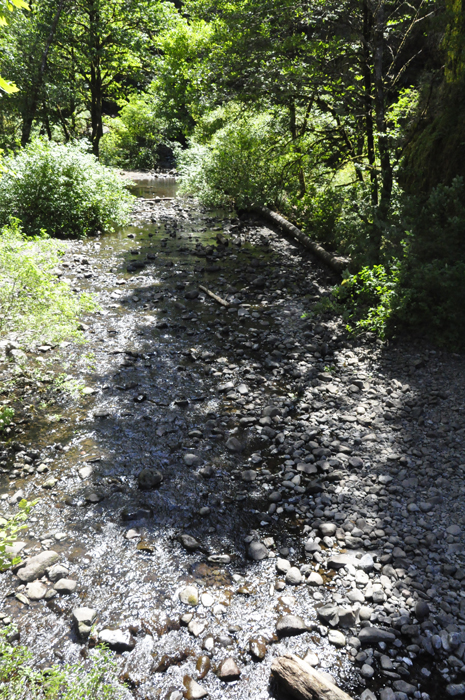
pixel 215 463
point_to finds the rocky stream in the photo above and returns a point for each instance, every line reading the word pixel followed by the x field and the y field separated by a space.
pixel 237 481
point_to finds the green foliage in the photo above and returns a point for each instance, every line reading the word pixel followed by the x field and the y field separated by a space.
pixel 136 134
pixel 62 189
pixel 32 301
pixel 95 680
pixel 370 298
pixel 9 530
pixel 244 162
pixel 6 416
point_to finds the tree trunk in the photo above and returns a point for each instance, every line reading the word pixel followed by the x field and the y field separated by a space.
pixel 96 91
pixel 32 100
pixel 303 682
pixel 295 138
pixel 383 146
pixel 368 100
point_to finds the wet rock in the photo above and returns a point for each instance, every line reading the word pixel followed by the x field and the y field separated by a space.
pixel 257 551
pixel 228 670
pixel 207 600
pixel 374 635
pixel 196 627
pixel 194 691
pixel 139 665
pixel 65 585
pixel 118 640
pixel 36 590
pixel 84 618
pixel 149 479
pixel 189 595
pixel 36 566
pixel 290 625
pixel 257 649
pixel 202 666
pixel 189 542
pixel 455 690
pixel 57 571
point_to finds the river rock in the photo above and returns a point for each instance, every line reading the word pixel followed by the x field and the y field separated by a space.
pixel 118 640
pixel 149 479
pixel 36 566
pixel 328 529
pixel 189 595
pixel 339 561
pixel 293 576
pixel 257 551
pixel 257 649
pixel 202 666
pixel 234 445
pixel 36 590
pixel 228 670
pixel 315 579
pixel 189 542
pixel 57 571
pixel 374 635
pixel 65 585
pixel 337 638
pixel 84 619
pixel 194 691
pixel 421 610
pixel 290 625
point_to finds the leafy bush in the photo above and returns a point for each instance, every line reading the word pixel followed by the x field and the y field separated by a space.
pixel 32 300
pixel 244 163
pixel 63 189
pixel 371 298
pixel 424 290
pixel 96 680
pixel 137 136
pixel 9 531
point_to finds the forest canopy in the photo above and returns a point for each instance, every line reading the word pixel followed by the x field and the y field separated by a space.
pixel 346 117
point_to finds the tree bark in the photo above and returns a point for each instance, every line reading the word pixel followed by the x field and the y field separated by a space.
pixel 32 101
pixel 303 682
pixel 368 99
pixel 380 107
pixel 96 88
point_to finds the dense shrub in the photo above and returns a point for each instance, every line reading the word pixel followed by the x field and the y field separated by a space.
pixel 244 162
pixel 137 137
pixel 423 291
pixel 32 300
pixel 63 189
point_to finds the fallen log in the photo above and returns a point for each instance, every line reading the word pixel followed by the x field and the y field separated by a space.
pixel 336 262
pixel 214 296
pixel 303 682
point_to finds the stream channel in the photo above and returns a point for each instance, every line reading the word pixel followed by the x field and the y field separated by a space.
pixel 176 385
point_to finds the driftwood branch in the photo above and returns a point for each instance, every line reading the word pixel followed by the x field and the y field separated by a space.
pixel 214 296
pixel 303 682
pixel 336 262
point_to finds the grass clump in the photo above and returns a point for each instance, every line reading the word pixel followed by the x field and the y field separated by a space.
pixel 63 189
pixel 33 301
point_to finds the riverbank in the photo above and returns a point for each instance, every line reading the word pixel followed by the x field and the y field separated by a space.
pixel 305 487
